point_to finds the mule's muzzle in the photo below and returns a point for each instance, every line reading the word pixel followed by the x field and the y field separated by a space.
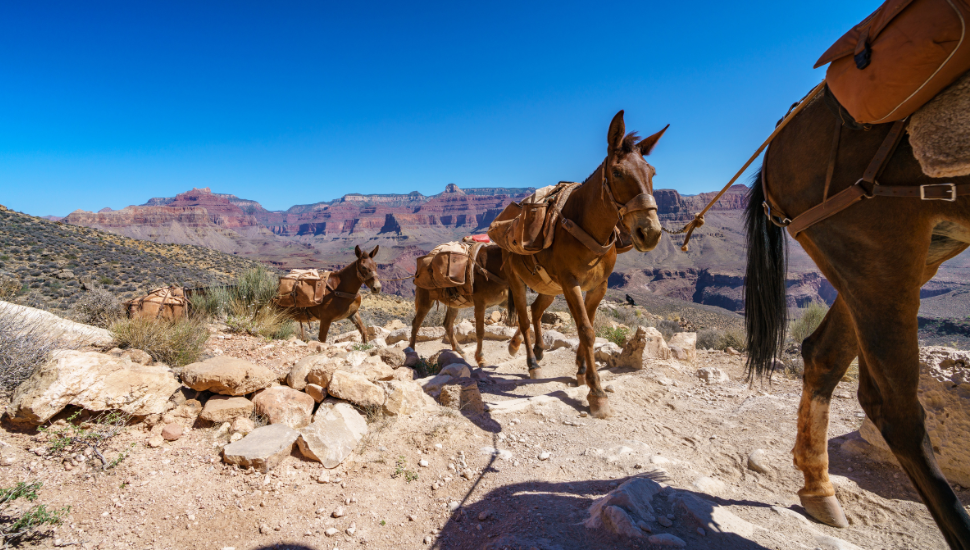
pixel 644 229
pixel 375 286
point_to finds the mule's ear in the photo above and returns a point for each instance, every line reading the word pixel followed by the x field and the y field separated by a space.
pixel 647 144
pixel 374 252
pixel 358 251
pixel 614 138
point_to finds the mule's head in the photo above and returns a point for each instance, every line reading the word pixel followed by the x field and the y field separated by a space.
pixel 630 179
pixel 367 268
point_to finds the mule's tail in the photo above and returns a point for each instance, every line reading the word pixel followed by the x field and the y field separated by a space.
pixel 765 305
pixel 512 317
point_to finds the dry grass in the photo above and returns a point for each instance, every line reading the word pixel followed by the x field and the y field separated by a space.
pixel 25 345
pixel 97 307
pixel 175 343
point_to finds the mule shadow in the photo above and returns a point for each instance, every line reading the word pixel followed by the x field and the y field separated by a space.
pixel 549 516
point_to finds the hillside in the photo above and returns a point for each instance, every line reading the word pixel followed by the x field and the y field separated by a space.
pixel 46 264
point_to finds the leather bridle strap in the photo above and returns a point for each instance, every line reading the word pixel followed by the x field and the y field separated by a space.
pixel 342 294
pixel 846 198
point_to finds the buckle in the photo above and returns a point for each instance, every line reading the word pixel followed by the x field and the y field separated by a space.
pixel 951 188
pixel 778 221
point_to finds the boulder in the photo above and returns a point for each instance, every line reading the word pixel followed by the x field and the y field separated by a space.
pixel 404 374
pixel 223 408
pixel 58 329
pixel 462 394
pixel 331 437
pixel 456 370
pixel 296 378
pixel 631 356
pixel 392 325
pixel 355 358
pixel 698 512
pixel 171 432
pixel 402 398
pixel 622 510
pixel 944 391
pixel 284 405
pixel 242 425
pixel 374 333
pixel 373 369
pixel 555 317
pixel 393 358
pixel 318 393
pixel 227 376
pixel 606 352
pixel 495 317
pixel 655 348
pixel 447 357
pixel 92 381
pixel 187 413
pixel 356 388
pixel 465 332
pixel 353 419
pixel 322 368
pixel 712 375
pixel 425 334
pixel 411 357
pixel 686 346
pixel 553 340
pixel 433 384
pixel 263 448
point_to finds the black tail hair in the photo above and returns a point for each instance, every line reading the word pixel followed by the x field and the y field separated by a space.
pixel 765 304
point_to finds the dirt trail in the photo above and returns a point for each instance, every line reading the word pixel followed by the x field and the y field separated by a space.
pixel 669 426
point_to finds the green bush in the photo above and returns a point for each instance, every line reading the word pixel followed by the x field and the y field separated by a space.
pixel 19 525
pixel 616 335
pixel 805 325
pixel 257 287
pixel 175 343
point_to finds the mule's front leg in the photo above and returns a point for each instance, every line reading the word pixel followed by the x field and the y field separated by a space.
pixel 450 315
pixel 422 305
pixel 517 288
pixel 599 405
pixel 479 331
pixel 324 329
pixel 539 306
pixel 827 354
pixel 359 323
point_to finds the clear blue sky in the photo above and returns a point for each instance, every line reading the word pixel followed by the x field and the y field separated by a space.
pixel 109 104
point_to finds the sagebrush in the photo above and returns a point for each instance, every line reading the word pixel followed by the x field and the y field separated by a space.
pixel 805 325
pixel 97 307
pixel 175 343
pixel 246 306
pixel 25 345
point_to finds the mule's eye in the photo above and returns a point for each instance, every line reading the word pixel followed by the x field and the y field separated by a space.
pixel 616 173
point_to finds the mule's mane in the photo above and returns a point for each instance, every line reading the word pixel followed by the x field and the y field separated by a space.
pixel 629 145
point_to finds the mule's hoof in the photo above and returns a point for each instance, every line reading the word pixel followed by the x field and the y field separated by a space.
pixel 580 379
pixel 513 348
pixel 538 352
pixel 599 407
pixel 825 509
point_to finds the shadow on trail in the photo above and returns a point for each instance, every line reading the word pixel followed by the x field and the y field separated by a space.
pixel 546 515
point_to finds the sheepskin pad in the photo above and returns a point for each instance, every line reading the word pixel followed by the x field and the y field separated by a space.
pixel 940 132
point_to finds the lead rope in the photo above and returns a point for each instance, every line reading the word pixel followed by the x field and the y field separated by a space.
pixel 698 220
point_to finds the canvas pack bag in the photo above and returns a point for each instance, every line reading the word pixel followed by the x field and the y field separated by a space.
pixel 899 58
pixel 302 288
pixel 445 266
pixel 528 227
pixel 167 303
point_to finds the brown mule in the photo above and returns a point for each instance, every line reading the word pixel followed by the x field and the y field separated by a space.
pixel 877 253
pixel 344 301
pixel 488 289
pixel 619 191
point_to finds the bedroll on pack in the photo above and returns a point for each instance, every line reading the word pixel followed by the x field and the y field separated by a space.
pixel 529 226
pixel 302 288
pixel 162 303
pixel 445 266
pixel 899 58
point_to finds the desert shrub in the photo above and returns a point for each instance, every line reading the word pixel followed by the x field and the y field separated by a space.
pixel 174 343
pixel 73 436
pixel 805 325
pixel 268 322
pixel 616 335
pixel 720 339
pixel 210 304
pixel 25 344
pixel 257 287
pixel 106 280
pixel 668 328
pixel 97 307
pixel 18 524
pixel 423 368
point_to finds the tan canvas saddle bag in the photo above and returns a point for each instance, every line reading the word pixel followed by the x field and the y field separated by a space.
pixel 529 226
pixel 167 303
pixel 446 266
pixel 302 288
pixel 899 58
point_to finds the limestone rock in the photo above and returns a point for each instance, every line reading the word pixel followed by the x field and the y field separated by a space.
pixel 655 347
pixel 462 394
pixel 242 425
pixel 392 325
pixel 622 509
pixel 138 356
pixel 356 388
pixel 393 358
pixel 758 461
pixel 186 413
pixel 456 370
pixel 553 340
pixel 555 317
pixel 686 346
pixel 447 357
pixel 465 332
pixel 223 408
pixel 404 374
pixel 402 398
pixel 171 432
pixel 284 405
pixel 944 391
pixel 227 376
pixel 332 436
pixel 373 369
pixel 705 514
pixel 353 419
pixel 712 375
pixel 93 381
pixel 263 448
pixel 352 336
pixel 58 329
pixel 631 356
pixel 666 539
pixel 318 393
pixel 425 334
pixel 297 377
pixel 432 385
pixel 374 333
pixel 411 357
pixel 606 352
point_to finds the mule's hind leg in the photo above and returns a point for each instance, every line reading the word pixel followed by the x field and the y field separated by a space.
pixel 324 329
pixel 539 306
pixel 827 354
pixel 422 305
pixel 888 384
pixel 517 289
pixel 479 331
pixel 359 323
pixel 450 314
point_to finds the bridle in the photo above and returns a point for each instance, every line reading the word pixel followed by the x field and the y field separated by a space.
pixel 367 281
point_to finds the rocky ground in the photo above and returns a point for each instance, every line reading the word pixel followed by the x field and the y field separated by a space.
pixel 523 474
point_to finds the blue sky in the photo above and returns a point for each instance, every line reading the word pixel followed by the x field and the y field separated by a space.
pixel 109 104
